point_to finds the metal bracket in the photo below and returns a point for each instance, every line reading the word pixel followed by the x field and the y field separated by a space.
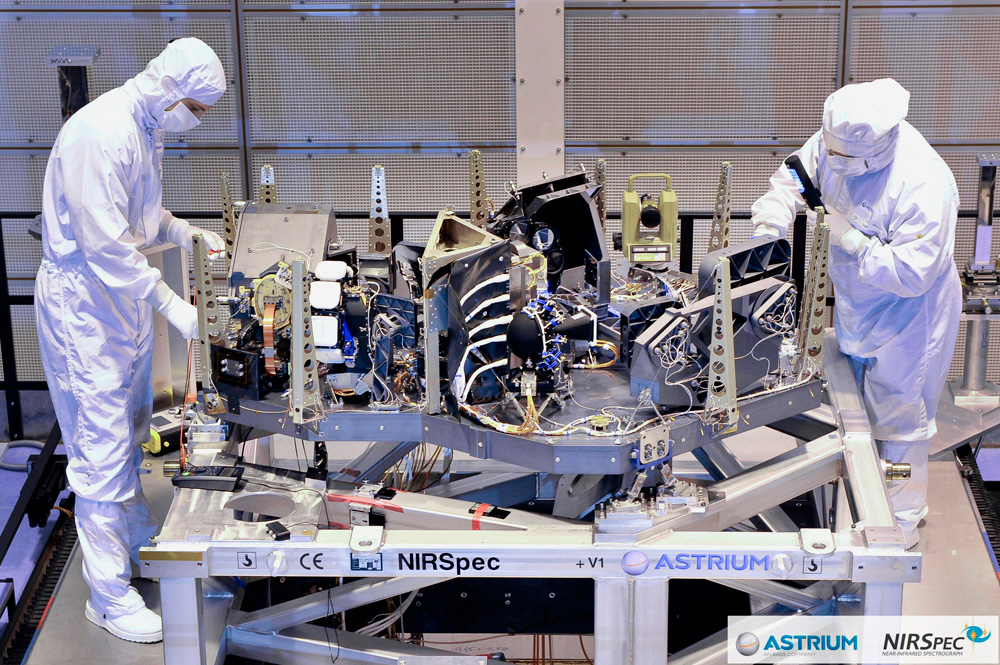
pixel 305 385
pixel 477 198
pixel 268 191
pixel 209 326
pixel 720 218
pixel 228 220
pixel 601 178
pixel 379 230
pixel 812 314
pixel 722 358
pixel 654 444
pixel 366 539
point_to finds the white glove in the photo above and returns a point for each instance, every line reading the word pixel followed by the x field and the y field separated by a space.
pixel 765 229
pixel 178 313
pixel 181 233
pixel 843 234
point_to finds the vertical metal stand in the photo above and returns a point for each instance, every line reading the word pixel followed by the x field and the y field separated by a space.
pixel 228 220
pixel 601 177
pixel 209 327
pixel 722 359
pixel 477 198
pixel 980 290
pixel 183 621
pixel 12 396
pixel 812 312
pixel 720 219
pixel 630 621
pixel 268 190
pixel 379 232
pixel 305 383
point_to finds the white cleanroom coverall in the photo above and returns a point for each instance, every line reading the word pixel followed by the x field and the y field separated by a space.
pixel 93 295
pixel 892 208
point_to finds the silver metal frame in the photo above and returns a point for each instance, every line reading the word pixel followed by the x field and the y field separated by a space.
pixel 866 563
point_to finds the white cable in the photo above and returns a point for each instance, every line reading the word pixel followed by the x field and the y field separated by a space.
pixel 475 375
pixel 486 303
pixel 491 323
pixel 495 280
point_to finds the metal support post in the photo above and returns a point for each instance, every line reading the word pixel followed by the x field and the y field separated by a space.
pixel 721 463
pixel 540 71
pixel 183 621
pixel 316 606
pixel 268 190
pixel 477 198
pixel 722 366
pixel 305 384
pixel 879 599
pixel 371 464
pixel 209 324
pixel 601 178
pixel 12 395
pixel 812 313
pixel 977 336
pixel 630 621
pixel 720 218
pixel 379 230
pixel 228 219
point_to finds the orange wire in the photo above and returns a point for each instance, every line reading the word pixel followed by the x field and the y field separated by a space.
pixel 189 398
pixel 584 650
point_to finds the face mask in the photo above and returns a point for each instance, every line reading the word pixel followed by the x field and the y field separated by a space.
pixel 179 119
pixel 847 166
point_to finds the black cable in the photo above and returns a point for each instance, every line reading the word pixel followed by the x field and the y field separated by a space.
pixel 326 631
pixel 243 443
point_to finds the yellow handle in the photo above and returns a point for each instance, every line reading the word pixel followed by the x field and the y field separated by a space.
pixel 632 179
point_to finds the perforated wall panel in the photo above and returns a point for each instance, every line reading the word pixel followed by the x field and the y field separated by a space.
pixel 127 41
pixel 21 176
pixel 993 357
pixel 386 4
pixel 696 75
pixel 938 55
pixel 26 355
pixel 82 5
pixel 384 78
pixel 191 179
pixel 21 250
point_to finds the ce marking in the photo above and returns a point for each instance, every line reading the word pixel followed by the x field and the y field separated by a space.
pixel 315 559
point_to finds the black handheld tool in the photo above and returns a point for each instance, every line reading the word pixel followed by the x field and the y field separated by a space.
pixel 222 478
pixel 805 186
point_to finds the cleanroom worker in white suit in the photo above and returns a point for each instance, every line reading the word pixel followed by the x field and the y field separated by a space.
pixel 94 300
pixel 891 204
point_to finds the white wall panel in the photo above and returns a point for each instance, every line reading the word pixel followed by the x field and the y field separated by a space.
pixel 698 75
pixel 944 57
pixel 397 78
pixel 29 90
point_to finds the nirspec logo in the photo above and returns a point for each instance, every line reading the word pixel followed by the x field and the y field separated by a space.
pixel 446 561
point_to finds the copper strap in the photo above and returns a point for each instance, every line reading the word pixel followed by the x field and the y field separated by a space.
pixel 269 360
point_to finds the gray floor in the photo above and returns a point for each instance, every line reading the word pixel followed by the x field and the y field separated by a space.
pixel 958 578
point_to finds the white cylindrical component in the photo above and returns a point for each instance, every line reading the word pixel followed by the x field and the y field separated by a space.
pixel 333 271
pixel 277 562
pixel 330 356
pixel 324 295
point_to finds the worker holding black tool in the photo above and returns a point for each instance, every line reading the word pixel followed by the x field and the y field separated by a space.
pixel 891 203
